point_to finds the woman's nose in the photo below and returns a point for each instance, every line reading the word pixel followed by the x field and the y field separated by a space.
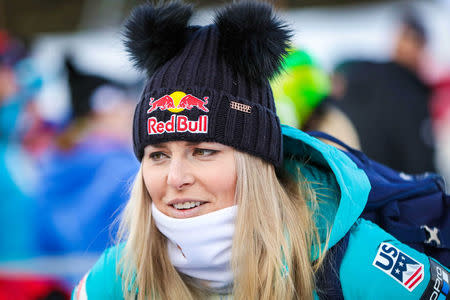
pixel 180 174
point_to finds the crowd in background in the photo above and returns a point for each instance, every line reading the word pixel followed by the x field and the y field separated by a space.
pixel 62 183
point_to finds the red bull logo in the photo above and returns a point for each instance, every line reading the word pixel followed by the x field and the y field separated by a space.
pixel 178 101
pixel 177 123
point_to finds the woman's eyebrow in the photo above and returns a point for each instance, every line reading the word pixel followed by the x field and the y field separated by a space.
pixel 160 145
pixel 193 143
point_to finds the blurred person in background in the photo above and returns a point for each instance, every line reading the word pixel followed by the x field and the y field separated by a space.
pixel 84 176
pixel 18 84
pixel 303 100
pixel 388 102
pixel 440 113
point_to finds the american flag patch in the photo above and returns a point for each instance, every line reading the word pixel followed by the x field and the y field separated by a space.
pixel 404 269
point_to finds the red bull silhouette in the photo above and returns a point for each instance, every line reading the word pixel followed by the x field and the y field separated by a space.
pixel 190 101
pixel 162 103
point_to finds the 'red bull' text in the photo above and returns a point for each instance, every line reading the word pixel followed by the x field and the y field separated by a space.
pixel 177 123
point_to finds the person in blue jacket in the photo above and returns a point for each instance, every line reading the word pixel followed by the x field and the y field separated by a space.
pixel 84 175
pixel 229 204
pixel 19 83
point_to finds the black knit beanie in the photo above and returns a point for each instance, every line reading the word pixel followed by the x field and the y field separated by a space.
pixel 208 83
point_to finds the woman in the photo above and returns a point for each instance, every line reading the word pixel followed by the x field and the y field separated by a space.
pixel 218 209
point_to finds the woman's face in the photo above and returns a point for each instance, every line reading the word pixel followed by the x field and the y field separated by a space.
pixel 187 179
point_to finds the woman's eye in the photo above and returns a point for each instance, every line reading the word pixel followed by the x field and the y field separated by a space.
pixel 204 152
pixel 157 156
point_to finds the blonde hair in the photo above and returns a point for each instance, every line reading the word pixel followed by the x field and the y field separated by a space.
pixel 271 253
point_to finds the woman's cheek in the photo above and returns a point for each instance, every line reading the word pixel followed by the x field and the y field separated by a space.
pixel 152 183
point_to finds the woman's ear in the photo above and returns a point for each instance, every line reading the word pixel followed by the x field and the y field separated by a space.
pixel 154 34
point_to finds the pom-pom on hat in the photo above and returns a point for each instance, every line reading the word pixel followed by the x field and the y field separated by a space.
pixel 208 83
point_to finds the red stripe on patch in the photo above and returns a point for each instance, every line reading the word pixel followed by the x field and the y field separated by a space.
pixel 415 281
pixel 414 275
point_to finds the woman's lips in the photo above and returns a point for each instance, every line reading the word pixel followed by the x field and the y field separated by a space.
pixel 187 205
pixel 185 208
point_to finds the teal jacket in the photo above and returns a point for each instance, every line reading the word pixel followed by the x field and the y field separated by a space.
pixel 375 265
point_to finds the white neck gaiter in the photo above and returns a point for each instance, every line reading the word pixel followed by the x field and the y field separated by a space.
pixel 200 247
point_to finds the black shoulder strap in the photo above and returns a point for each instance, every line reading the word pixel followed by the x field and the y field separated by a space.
pixel 328 283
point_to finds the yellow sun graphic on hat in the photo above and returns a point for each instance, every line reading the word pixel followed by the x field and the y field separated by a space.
pixel 176 96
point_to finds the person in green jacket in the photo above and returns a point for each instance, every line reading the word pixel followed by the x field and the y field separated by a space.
pixel 304 100
pixel 228 203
